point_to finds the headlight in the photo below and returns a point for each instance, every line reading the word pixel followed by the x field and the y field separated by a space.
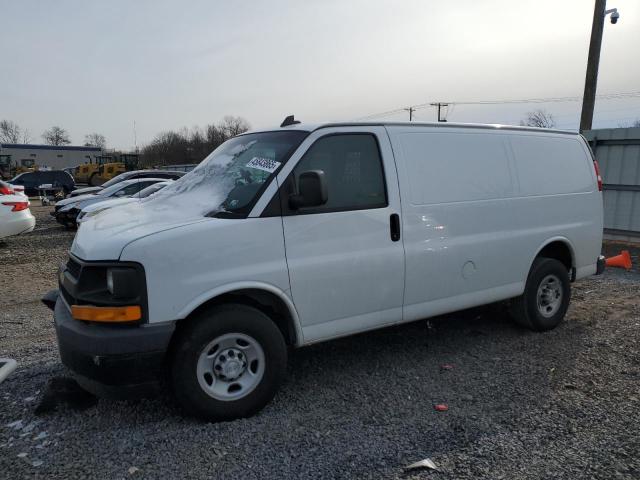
pixel 66 208
pixel 122 282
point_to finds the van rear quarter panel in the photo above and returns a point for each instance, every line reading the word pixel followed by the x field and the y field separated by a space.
pixel 479 204
pixel 558 196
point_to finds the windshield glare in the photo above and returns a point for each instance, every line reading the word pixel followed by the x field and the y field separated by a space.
pixel 231 177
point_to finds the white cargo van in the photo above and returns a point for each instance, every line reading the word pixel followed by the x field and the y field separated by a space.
pixel 304 233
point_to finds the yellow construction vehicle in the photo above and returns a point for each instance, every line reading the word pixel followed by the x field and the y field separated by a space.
pixel 83 173
pixel 111 165
pixel 5 167
pixel 9 169
pixel 26 165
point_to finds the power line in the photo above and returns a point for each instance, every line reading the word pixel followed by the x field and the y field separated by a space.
pixel 607 96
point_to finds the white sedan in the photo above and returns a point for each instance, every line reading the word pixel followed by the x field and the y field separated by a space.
pixel 15 216
pixel 8 189
pixel 18 190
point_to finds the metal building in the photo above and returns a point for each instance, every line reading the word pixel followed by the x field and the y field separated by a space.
pixel 47 156
pixel 618 153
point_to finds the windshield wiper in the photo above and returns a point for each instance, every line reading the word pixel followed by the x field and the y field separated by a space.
pixel 222 212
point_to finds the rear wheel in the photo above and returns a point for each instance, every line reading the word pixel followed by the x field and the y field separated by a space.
pixel 227 363
pixel 546 296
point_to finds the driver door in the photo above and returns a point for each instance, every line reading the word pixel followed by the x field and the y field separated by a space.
pixel 346 263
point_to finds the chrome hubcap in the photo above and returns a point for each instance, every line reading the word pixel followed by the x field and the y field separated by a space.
pixel 549 296
pixel 231 366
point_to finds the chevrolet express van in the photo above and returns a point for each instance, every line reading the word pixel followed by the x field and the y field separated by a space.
pixel 304 233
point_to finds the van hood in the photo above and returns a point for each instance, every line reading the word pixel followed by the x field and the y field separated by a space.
pixel 104 236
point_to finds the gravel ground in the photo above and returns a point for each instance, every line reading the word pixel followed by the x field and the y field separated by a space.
pixel 563 404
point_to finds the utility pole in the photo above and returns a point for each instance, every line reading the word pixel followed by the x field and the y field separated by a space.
pixel 591 78
pixel 440 105
pixel 410 110
pixel 135 137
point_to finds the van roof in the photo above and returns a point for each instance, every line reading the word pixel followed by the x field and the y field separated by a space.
pixel 309 127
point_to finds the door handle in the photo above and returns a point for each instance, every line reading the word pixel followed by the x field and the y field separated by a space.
pixel 394 224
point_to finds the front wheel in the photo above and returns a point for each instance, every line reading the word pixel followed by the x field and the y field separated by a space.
pixel 546 296
pixel 95 180
pixel 227 363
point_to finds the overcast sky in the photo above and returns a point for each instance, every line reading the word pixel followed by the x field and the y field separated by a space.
pixel 98 66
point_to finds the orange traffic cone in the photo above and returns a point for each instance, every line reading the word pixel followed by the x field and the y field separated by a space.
pixel 622 261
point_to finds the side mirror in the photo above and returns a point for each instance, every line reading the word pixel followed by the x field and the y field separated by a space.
pixel 312 190
pixel 120 193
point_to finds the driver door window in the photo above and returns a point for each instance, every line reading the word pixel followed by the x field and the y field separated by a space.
pixel 353 171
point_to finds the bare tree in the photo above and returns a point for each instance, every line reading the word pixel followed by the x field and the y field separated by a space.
pixel 191 145
pixel 633 124
pixel 167 148
pixel 95 140
pixel 10 132
pixel 232 126
pixel 539 118
pixel 214 137
pixel 26 136
pixel 56 136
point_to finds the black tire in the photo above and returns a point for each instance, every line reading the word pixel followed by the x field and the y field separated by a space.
pixel 525 310
pixel 203 329
pixel 94 180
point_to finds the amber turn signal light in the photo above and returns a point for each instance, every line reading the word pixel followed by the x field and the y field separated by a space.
pixel 106 314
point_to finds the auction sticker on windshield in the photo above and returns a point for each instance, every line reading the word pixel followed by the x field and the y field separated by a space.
pixel 265 164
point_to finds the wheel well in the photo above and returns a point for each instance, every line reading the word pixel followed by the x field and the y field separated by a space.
pixel 560 251
pixel 267 302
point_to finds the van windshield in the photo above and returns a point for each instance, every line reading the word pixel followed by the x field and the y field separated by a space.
pixel 231 178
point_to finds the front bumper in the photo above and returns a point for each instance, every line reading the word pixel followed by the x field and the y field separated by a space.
pixel 107 358
pixel 68 217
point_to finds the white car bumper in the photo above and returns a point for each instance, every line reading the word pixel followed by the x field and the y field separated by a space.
pixel 23 222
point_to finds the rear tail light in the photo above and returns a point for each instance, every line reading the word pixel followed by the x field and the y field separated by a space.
pixel 6 191
pixel 598 176
pixel 17 206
